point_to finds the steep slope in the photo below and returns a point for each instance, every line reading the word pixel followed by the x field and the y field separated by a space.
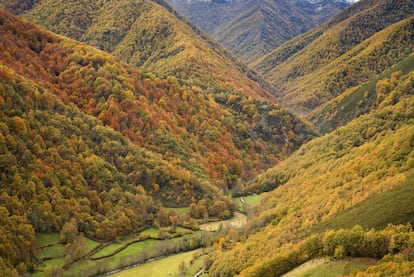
pixel 357 100
pixel 369 156
pixel 252 28
pixel 150 35
pixel 84 136
pixel 181 123
pixel 171 47
pixel 319 65
pixel 68 149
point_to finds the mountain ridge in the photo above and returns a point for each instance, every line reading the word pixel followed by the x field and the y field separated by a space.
pixel 184 58
pixel 252 28
pixel 308 58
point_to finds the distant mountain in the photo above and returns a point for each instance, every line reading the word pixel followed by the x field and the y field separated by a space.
pixel 252 28
pixel 344 52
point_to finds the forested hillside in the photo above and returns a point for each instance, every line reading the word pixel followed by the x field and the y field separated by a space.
pixel 143 139
pixel 342 53
pixel 251 28
pixel 357 100
pixel 150 35
pixel 369 157
pixel 86 137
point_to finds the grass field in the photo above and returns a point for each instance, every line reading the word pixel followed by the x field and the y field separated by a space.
pixel 91 244
pixel 107 250
pixel 183 210
pixel 168 266
pixel 151 232
pixel 44 239
pixel 132 254
pixel 325 267
pixel 53 251
pixel 251 201
pixel 137 247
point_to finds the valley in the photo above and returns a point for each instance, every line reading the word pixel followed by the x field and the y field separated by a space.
pixel 134 144
pixel 250 28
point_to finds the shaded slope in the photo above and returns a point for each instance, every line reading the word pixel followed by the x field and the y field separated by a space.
pixel 370 155
pixel 313 68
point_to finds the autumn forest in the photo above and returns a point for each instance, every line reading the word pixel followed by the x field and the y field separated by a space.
pixel 129 136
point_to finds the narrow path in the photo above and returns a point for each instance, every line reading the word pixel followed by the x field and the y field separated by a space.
pixel 201 271
pixel 242 200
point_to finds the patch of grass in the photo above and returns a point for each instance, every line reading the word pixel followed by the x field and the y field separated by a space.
pixel 87 268
pixel 168 266
pixel 132 254
pixel 151 232
pixel 137 247
pixel 91 244
pixel 38 274
pixel 183 231
pixel 195 266
pixel 325 267
pixel 250 200
pixel 395 206
pixel 183 210
pixel 107 250
pixel 54 262
pixel 54 251
pixel 44 239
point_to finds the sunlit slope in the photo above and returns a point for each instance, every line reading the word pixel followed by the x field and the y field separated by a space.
pixel 344 52
pixel 357 100
pixel 370 155
pixel 150 35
